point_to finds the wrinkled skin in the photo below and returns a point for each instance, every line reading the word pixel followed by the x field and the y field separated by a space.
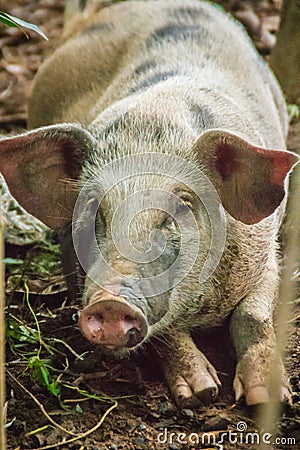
pixel 160 139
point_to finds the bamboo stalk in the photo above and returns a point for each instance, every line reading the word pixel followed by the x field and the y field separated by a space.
pixel 2 340
pixel 270 413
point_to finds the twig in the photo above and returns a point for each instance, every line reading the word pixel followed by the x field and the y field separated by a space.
pixel 83 435
pixel 67 346
pixel 40 405
pixel 76 436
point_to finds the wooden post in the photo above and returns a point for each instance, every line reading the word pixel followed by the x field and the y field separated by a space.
pixel 285 58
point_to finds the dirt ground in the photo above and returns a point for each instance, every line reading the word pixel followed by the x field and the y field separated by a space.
pixel 140 411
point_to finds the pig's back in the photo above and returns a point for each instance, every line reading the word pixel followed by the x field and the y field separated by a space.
pixel 123 49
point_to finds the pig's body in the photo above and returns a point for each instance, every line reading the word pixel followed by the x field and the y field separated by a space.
pixel 163 60
pixel 153 76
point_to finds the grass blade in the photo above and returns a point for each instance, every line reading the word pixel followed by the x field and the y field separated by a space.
pixel 12 21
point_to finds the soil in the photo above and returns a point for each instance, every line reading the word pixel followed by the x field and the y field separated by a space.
pixel 143 415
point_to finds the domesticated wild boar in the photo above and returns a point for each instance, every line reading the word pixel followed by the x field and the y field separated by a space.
pixel 159 133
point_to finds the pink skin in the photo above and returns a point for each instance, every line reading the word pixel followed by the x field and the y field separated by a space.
pixel 112 322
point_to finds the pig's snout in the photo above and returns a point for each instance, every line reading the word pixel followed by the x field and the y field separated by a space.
pixel 113 323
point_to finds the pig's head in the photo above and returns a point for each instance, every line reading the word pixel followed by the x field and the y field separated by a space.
pixel 141 220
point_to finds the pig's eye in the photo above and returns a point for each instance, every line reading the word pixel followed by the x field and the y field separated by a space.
pixel 185 204
pixel 179 209
pixel 183 207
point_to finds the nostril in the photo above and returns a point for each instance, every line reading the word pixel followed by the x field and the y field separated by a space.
pixel 94 327
pixel 134 337
pixel 128 318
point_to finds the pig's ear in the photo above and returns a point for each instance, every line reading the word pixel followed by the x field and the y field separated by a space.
pixel 38 167
pixel 249 179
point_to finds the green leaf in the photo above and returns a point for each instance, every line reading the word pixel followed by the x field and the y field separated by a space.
pixel 21 333
pixel 40 374
pixel 44 373
pixel 54 388
pixel 43 260
pixel 12 21
pixel 38 370
pixel 78 408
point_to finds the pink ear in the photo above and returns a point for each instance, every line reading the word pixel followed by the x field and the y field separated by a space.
pixel 38 166
pixel 249 179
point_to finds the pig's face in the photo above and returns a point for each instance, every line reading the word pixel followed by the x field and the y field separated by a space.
pixel 145 214
pixel 150 228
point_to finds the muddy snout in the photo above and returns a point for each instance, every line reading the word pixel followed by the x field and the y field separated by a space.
pixel 113 323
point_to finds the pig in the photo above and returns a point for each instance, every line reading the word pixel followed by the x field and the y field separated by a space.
pixel 157 149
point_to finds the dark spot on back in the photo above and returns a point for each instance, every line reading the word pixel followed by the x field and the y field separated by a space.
pixel 188 13
pixel 177 32
pixel 203 117
pixel 145 67
pixel 158 129
pixel 155 79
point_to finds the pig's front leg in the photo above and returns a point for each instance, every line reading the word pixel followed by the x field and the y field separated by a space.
pixel 190 376
pixel 254 339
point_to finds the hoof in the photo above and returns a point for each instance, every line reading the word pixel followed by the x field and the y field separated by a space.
pixel 195 392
